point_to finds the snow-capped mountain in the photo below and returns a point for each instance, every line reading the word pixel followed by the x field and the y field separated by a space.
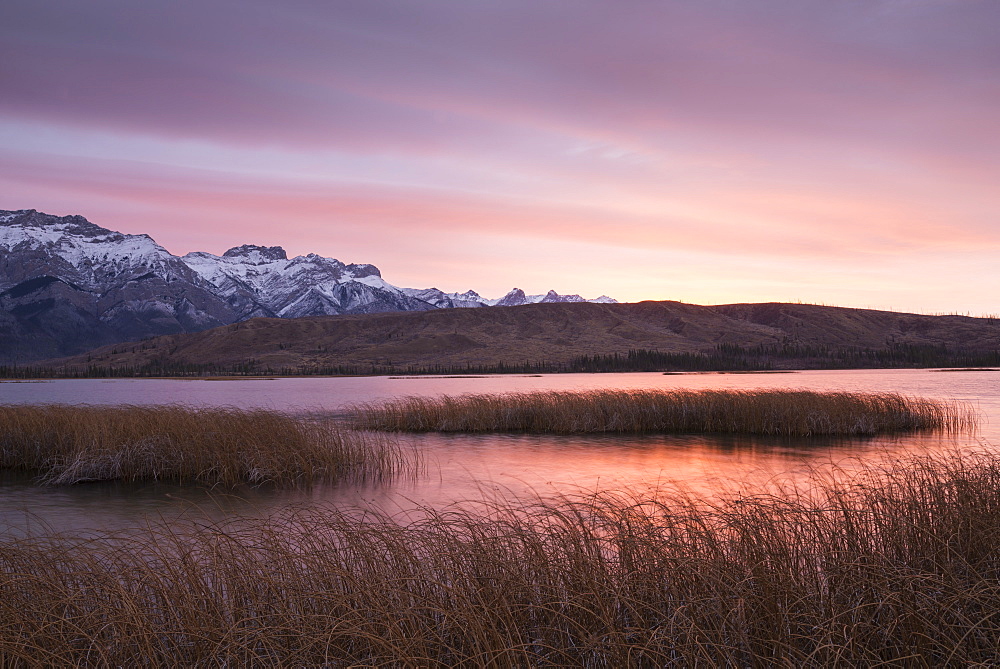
pixel 67 285
pixel 263 281
pixel 516 298
pixel 442 300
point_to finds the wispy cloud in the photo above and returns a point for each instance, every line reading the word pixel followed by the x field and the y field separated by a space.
pixel 769 150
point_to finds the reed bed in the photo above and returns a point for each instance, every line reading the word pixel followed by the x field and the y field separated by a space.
pixel 69 444
pixel 893 566
pixel 769 412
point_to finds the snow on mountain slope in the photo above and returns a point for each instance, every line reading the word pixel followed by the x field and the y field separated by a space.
pixel 118 287
pixel 89 255
pixel 516 298
pixel 67 285
pixel 264 281
pixel 264 278
pixel 470 299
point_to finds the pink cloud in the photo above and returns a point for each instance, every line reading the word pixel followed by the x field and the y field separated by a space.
pixel 777 133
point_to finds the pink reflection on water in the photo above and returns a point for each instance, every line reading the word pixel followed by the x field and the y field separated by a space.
pixel 469 467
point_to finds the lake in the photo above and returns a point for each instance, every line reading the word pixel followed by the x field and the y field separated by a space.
pixel 462 467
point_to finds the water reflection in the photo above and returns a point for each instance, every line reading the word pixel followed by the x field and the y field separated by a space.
pixel 468 467
pixel 459 467
pixel 544 465
pixel 26 507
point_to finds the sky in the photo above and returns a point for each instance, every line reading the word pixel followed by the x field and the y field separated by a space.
pixel 842 152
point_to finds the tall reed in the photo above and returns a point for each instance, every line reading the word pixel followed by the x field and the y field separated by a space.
pixel 892 566
pixel 69 444
pixel 771 412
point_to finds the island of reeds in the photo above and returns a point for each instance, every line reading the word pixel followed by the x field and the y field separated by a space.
pixel 764 412
pixel 228 446
pixel 892 566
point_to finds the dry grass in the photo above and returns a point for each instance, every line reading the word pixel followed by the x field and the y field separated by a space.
pixel 69 444
pixel 895 566
pixel 772 412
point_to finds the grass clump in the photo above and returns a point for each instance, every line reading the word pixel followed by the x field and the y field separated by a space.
pixel 769 412
pixel 892 566
pixel 70 444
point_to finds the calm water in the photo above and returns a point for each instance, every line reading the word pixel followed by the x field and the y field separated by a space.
pixel 460 467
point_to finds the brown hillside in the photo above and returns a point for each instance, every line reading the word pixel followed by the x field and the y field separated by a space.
pixel 539 332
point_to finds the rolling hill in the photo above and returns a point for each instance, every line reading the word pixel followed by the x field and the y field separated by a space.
pixel 558 336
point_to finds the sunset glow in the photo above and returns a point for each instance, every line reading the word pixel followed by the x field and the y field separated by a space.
pixel 841 152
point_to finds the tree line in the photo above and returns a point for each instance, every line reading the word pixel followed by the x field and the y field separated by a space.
pixel 723 357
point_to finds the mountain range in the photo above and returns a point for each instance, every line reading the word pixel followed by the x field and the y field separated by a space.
pixel 68 285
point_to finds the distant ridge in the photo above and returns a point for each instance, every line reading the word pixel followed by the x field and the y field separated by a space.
pixel 67 285
pixel 564 336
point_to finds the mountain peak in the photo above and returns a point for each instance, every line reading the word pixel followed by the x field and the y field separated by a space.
pixel 257 254
pixel 553 296
pixel 361 270
pixel 32 219
pixel 514 298
pixel 10 215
